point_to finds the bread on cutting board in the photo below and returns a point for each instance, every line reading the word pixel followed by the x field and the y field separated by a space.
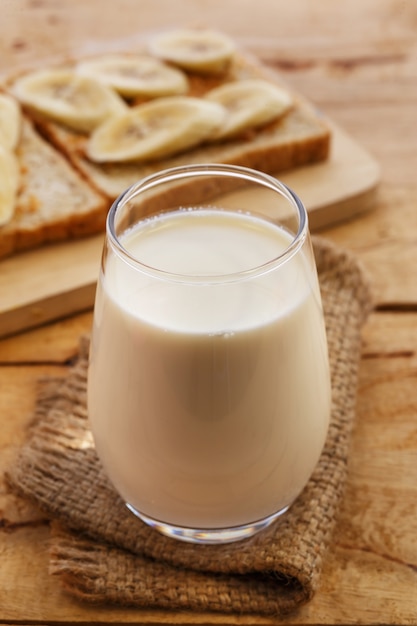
pixel 65 193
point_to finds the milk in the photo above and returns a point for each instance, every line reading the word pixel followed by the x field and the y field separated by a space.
pixel 209 396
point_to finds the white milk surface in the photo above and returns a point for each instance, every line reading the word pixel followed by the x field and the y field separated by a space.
pixel 209 400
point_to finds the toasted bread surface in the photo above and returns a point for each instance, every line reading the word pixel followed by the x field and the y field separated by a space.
pixel 54 202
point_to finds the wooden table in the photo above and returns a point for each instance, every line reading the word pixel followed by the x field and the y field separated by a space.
pixel 358 62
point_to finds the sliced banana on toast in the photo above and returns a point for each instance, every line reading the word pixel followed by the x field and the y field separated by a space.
pixel 156 129
pixel 9 182
pixel 79 102
pixel 201 51
pixel 136 75
pixel 249 104
pixel 10 122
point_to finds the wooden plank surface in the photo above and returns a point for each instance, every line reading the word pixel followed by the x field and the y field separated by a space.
pixel 358 62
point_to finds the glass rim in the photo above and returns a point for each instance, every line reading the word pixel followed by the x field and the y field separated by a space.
pixel 196 170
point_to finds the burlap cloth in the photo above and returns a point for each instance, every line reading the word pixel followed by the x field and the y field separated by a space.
pixel 102 553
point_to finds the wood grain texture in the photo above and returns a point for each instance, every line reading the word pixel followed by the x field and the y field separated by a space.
pixel 358 62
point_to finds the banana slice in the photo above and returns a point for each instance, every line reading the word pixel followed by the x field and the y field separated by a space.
pixel 79 102
pixel 136 75
pixel 201 51
pixel 10 122
pixel 250 104
pixel 156 129
pixel 9 181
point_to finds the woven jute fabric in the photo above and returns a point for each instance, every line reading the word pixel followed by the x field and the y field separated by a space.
pixel 102 553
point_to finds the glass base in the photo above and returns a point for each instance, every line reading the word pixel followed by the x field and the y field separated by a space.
pixel 208 535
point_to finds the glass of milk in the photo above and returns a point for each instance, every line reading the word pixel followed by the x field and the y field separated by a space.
pixel 208 385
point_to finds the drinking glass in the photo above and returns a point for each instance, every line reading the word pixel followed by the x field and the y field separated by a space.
pixel 208 383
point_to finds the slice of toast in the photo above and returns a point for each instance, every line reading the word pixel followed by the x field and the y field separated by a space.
pixel 54 202
pixel 299 138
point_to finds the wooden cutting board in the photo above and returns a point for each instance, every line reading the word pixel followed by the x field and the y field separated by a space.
pixel 58 280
